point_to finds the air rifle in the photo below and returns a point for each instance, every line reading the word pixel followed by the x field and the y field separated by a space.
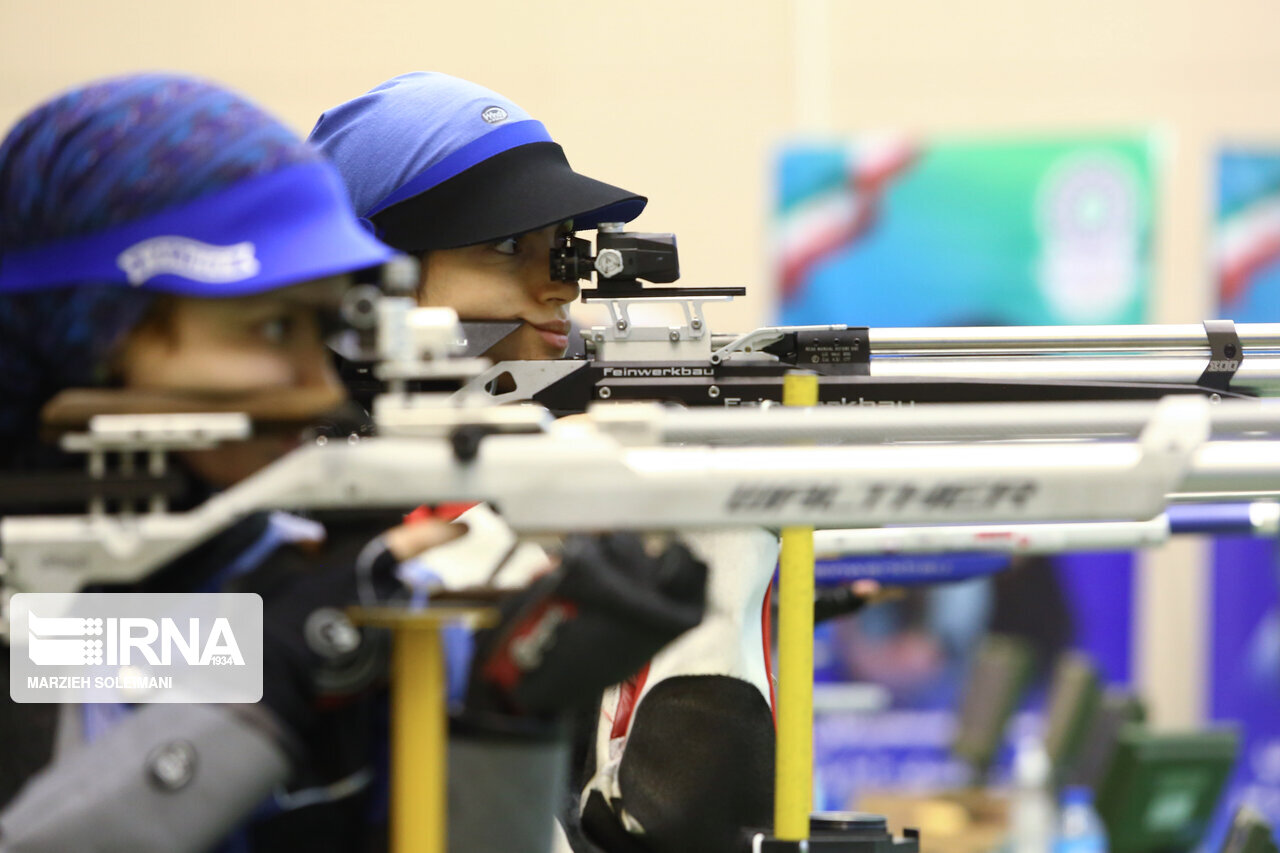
pixel 622 467
pixel 685 362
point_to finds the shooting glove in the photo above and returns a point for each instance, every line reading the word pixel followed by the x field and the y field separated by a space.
pixel 593 621
pixel 312 652
pixel 315 659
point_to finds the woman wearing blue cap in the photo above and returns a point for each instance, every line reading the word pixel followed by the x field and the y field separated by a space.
pixel 680 756
pixel 160 234
pixel 455 173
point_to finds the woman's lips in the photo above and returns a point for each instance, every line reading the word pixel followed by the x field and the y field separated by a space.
pixel 555 339
pixel 555 334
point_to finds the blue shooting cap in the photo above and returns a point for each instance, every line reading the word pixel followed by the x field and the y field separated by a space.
pixel 164 183
pixel 120 189
pixel 435 162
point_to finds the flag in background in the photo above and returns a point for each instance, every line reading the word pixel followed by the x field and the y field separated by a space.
pixel 1246 239
pixel 830 197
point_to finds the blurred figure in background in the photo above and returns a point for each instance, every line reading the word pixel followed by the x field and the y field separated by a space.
pixel 920 646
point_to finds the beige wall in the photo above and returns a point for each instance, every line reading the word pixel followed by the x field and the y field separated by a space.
pixel 680 101
pixel 686 100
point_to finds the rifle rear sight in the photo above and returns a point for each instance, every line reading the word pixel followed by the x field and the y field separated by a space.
pixel 621 261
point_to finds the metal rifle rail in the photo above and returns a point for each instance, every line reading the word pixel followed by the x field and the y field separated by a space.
pixel 1068 339
pixel 599 473
pixel 939 422
pixel 1258 518
pixel 682 363
pixel 1235 467
pixel 912 555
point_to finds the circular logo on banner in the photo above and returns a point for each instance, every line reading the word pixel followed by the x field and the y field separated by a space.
pixel 493 115
pixel 1090 219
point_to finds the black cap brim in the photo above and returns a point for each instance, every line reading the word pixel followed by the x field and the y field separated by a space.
pixel 522 189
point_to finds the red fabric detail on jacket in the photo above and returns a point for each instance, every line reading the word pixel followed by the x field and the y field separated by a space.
pixel 766 631
pixel 628 697
pixel 439 512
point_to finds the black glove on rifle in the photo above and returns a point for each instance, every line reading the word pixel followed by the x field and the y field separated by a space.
pixel 314 658
pixel 588 624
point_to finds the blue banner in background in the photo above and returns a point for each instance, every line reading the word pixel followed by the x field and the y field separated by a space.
pixel 1245 671
pixel 1100 589
pixel 1245 646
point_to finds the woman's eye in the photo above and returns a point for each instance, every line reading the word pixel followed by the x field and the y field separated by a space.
pixel 507 246
pixel 276 331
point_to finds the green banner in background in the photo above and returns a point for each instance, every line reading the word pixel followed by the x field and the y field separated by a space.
pixel 895 232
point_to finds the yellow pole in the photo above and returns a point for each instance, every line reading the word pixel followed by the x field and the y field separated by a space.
pixel 419 718
pixel 793 786
pixel 419 740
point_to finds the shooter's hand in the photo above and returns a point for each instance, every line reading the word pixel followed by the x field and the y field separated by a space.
pixel 314 657
pixel 595 620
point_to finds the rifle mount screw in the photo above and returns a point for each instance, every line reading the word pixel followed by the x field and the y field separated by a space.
pixel 605 392
pixel 713 391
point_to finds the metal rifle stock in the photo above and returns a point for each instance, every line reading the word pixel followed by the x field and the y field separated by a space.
pixel 685 362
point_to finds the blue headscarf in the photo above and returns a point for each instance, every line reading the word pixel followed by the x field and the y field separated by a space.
pixel 98 156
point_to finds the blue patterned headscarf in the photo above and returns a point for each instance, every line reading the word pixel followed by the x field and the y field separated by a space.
pixel 98 156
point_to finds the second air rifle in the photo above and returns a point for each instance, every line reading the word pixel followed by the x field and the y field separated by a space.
pixel 683 361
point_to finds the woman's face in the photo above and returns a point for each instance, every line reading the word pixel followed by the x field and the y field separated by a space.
pixel 507 280
pixel 238 345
